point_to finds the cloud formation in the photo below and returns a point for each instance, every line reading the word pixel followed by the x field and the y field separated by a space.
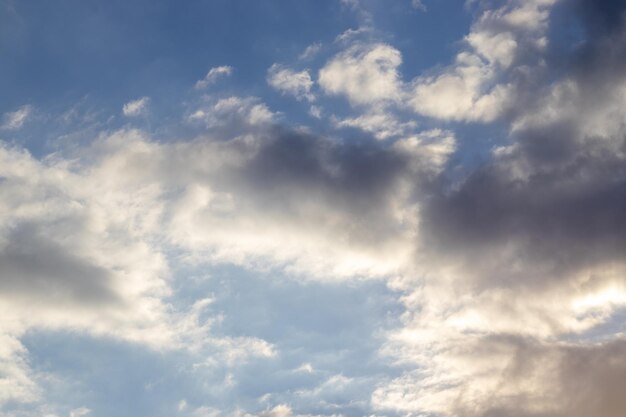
pixel 376 271
pixel 213 75
pixel 15 120
pixel 136 108
pixel 524 257
pixel 364 74
pixel 288 81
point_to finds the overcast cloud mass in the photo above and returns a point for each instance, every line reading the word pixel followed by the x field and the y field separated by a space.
pixel 356 208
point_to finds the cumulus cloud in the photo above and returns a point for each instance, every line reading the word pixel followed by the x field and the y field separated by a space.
pixel 364 73
pixel 213 75
pixel 136 108
pixel 523 258
pixel 481 85
pixel 288 81
pixel 249 201
pixel 563 171
pixel 15 120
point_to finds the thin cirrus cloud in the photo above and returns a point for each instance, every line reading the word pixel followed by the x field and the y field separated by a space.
pixel 15 120
pixel 239 260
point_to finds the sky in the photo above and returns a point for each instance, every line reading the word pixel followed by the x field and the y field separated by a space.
pixel 313 208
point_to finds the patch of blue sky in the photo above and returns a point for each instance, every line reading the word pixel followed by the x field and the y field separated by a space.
pixel 326 339
pixel 57 56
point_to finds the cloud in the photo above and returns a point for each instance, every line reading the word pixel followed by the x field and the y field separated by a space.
pixel 136 107
pixel 514 377
pixel 15 120
pixel 213 75
pixel 310 51
pixel 34 265
pixel 381 124
pixel 283 410
pixel 86 235
pixel 234 112
pixel 80 412
pixel 287 81
pixel 419 5
pixel 364 73
pixel 54 258
pixel 482 83
pixel 17 381
pixel 258 209
pixel 563 170
pixel 315 111
pixel 506 274
pixel 521 261
pixel 78 252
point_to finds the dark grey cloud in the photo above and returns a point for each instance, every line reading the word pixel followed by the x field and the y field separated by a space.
pixel 357 178
pixel 360 168
pixel 566 215
pixel 36 269
pixel 309 201
pixel 559 195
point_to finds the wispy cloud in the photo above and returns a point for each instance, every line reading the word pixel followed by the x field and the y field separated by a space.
pixel 136 108
pixel 15 120
pixel 213 75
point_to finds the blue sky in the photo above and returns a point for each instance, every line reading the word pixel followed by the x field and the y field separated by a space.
pixel 350 208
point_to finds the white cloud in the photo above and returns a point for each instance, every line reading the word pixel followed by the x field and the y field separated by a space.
pixel 418 4
pixel 15 120
pixel 380 123
pixel 78 251
pixel 80 412
pixel 365 73
pixel 497 49
pixel 315 111
pixel 206 412
pixel 231 111
pixel 310 51
pixel 351 35
pixel 283 410
pixel 288 81
pixel 464 93
pixel 475 87
pixel 213 75
pixel 17 382
pixel 136 108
